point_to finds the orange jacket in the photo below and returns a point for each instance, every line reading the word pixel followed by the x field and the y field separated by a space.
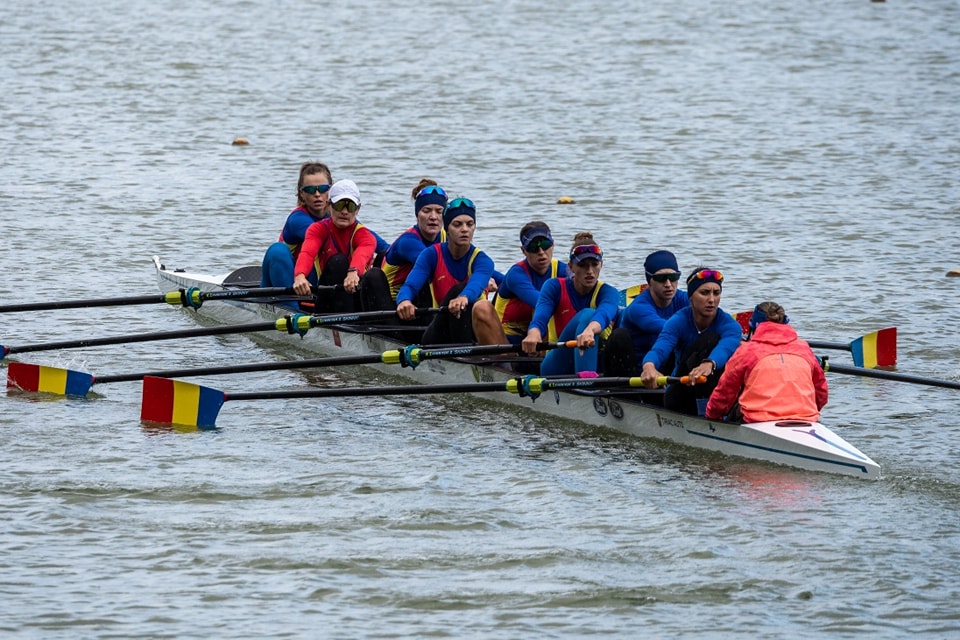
pixel 776 377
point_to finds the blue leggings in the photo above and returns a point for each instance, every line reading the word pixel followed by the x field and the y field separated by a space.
pixel 277 269
pixel 566 361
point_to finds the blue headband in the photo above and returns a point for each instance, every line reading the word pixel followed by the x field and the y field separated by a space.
pixel 759 316
pixel 428 196
pixel 460 207
pixel 660 260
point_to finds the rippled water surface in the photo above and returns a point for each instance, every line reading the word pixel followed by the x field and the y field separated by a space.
pixel 808 150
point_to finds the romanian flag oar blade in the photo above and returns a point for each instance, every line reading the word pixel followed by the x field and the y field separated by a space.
pixel 176 402
pixel 42 379
pixel 877 349
pixel 627 295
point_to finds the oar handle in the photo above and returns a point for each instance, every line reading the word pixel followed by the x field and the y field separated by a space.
pixel 663 381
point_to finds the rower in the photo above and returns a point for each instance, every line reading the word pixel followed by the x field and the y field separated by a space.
pixel 578 307
pixel 701 338
pixel 639 325
pixel 337 250
pixel 458 274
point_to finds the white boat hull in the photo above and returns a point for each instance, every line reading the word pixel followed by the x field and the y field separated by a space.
pixel 809 446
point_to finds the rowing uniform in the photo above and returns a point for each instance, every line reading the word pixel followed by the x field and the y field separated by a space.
pixel 403 253
pixel 562 314
pixel 518 295
pixel 690 346
pixel 776 376
pixel 680 332
pixel 324 239
pixel 644 319
pixel 436 266
pixel 280 257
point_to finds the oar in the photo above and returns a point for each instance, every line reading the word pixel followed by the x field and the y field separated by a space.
pixel 877 349
pixel 192 297
pixel 887 375
pixel 295 323
pixel 44 379
pixel 177 402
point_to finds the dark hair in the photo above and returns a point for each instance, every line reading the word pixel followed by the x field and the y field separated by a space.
pixel 536 224
pixel 309 168
pixel 423 184
pixel 774 312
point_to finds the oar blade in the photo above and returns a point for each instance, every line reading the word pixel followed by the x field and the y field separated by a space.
pixel 43 379
pixel 743 319
pixel 627 295
pixel 177 402
pixel 877 349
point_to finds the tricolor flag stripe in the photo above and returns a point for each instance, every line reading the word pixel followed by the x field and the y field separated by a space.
pixel 42 379
pixel 177 402
pixel 887 347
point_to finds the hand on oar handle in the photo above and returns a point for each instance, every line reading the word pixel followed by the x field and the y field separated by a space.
pixel 663 381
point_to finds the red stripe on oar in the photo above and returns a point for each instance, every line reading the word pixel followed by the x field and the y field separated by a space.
pixel 23 376
pixel 158 398
pixel 887 347
pixel 744 319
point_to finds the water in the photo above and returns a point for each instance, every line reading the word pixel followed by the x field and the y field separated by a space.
pixel 808 151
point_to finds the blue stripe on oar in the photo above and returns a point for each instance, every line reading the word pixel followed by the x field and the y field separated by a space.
pixel 210 401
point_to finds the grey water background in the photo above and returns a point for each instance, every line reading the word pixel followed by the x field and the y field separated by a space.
pixel 808 150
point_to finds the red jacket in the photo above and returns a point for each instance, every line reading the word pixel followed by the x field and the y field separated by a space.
pixel 776 377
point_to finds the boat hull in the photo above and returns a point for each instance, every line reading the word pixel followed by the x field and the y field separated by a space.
pixel 809 446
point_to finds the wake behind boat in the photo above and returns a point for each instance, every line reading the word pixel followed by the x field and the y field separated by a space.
pixel 803 445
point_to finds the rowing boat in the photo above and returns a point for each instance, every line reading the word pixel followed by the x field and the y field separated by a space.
pixel 803 445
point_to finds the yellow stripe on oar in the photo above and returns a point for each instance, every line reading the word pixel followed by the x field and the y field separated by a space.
pixel 186 401
pixel 869 346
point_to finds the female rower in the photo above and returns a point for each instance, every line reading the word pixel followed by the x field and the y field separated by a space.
pixel 701 337
pixel 643 319
pixel 313 204
pixel 338 250
pixel 458 274
pixel 520 288
pixel 772 376
pixel 380 286
pixel 578 307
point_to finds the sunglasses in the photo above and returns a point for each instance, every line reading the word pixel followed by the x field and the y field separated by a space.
pixel 347 204
pixel 706 274
pixel 539 244
pixel 432 189
pixel 663 277
pixel 313 189
pixel 456 203
pixel 579 250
